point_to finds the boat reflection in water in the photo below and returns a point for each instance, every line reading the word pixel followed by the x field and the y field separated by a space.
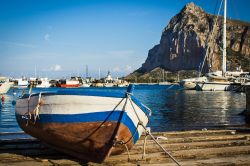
pixel 185 110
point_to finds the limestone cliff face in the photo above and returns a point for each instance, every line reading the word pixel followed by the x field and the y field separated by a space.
pixel 183 42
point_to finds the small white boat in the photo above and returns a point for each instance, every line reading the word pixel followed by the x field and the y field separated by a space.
pixel 86 85
pixel 190 83
pixel 216 86
pixel 221 80
pixel 217 82
pixel 165 83
pixel 4 85
pixel 22 82
pixel 108 84
pixel 44 83
pixel 68 83
pixel 122 85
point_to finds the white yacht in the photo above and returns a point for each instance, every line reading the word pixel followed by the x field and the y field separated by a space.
pixel 221 80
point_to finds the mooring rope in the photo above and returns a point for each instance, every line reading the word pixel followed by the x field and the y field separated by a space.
pixel 37 109
pixel 35 112
pixel 144 146
pixel 166 152
pixel 149 133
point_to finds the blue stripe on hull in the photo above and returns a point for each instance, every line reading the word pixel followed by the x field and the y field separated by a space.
pixel 107 116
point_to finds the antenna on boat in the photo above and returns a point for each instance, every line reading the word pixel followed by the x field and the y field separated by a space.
pixel 87 71
pixel 99 73
pixel 210 39
pixel 35 71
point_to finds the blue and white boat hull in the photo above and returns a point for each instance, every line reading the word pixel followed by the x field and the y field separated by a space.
pixel 89 126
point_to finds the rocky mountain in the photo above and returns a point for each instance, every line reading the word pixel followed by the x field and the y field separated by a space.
pixel 185 39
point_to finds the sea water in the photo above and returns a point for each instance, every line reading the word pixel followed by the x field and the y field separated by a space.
pixel 172 108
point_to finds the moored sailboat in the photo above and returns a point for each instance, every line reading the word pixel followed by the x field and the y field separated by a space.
pixel 215 80
pixel 221 80
pixel 85 124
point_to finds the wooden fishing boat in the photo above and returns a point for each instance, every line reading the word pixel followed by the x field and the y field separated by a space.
pixel 85 124
pixel 68 83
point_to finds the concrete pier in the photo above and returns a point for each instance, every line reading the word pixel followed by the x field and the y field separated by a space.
pixel 199 147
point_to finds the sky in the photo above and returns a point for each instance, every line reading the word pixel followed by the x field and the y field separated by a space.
pixel 59 38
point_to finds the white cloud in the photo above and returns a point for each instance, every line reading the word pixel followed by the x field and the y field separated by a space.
pixel 47 37
pixel 128 68
pixel 116 69
pixel 56 68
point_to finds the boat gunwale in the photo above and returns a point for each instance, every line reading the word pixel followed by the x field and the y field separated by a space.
pixel 77 93
pixel 146 111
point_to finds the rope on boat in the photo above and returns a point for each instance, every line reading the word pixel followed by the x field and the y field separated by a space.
pixel 133 133
pixel 170 87
pixel 127 151
pixel 166 152
pixel 147 131
pixel 144 146
pixel 30 89
pixel 208 40
pixel 125 145
pixel 35 112
pixel 121 142
pixel 37 109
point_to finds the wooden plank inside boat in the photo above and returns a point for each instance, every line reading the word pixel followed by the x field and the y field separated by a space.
pixel 209 147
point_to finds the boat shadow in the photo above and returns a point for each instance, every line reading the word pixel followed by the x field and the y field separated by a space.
pixel 35 151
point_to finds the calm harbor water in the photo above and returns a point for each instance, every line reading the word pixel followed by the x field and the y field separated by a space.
pixel 173 108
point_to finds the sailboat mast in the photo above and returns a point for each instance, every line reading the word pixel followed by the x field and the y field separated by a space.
pixel 87 71
pixel 224 58
pixel 35 71
pixel 99 73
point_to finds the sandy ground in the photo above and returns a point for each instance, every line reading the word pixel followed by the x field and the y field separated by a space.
pixel 209 147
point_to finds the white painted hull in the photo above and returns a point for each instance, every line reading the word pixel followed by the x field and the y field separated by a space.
pixel 122 85
pixel 165 83
pixel 77 104
pixel 85 85
pixel 216 86
pixel 85 124
pixel 4 88
pixel 190 83
pixel 22 83
pixel 43 85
